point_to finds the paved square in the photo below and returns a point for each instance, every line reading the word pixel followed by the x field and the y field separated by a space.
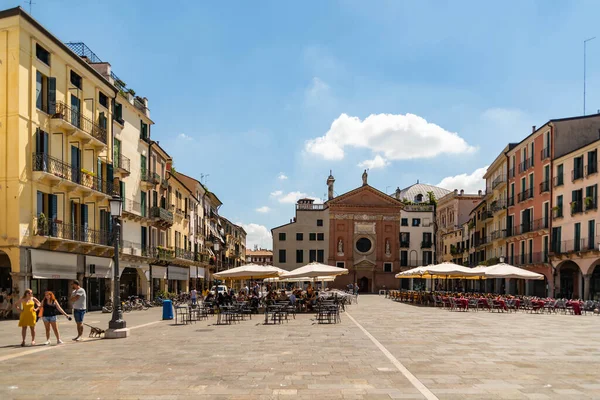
pixel 451 355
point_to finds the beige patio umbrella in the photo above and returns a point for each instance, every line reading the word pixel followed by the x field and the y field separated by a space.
pixel 411 273
pixel 315 270
pixel 450 270
pixel 249 271
pixel 503 270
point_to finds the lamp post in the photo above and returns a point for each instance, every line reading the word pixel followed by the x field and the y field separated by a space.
pixel 117 326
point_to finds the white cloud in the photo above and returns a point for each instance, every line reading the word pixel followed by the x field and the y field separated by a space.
pixel 276 193
pixel 282 176
pixel 393 136
pixel 263 209
pixel 183 136
pixel 291 197
pixel 257 235
pixel 377 162
pixel 469 183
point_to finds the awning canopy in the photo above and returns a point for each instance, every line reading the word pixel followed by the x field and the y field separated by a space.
pixel 159 272
pixel 99 267
pixel 193 272
pixel 201 272
pixel 249 271
pixel 315 270
pixel 53 265
pixel 177 273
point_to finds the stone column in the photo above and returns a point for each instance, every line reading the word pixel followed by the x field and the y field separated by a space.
pixel 586 286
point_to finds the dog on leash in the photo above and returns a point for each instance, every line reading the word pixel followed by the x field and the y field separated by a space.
pixel 94 331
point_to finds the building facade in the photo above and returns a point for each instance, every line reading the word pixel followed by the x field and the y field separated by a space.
pixel 575 237
pixel 259 256
pixel 304 239
pixel 55 128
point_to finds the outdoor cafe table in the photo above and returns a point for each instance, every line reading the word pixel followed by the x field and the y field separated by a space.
pixel 537 304
pixel 576 306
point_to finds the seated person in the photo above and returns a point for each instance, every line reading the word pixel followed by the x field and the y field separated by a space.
pixel 293 299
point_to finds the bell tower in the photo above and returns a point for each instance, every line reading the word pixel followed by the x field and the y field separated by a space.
pixel 330 181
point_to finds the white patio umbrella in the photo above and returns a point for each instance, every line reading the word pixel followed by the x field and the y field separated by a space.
pixel 451 270
pixel 503 270
pixel 249 271
pixel 411 273
pixel 315 270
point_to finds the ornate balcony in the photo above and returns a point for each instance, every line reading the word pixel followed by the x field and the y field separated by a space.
pixel 149 179
pixel 57 173
pixel 545 153
pixel 525 165
pixel 532 226
pixel 545 186
pixel 527 194
pixel 184 254
pixel 497 205
pixel 121 165
pixel 426 244
pixel 499 234
pixel 498 181
pixel 72 122
pixel 161 216
pixel 59 233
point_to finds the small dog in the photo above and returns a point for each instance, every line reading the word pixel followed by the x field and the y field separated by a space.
pixel 95 332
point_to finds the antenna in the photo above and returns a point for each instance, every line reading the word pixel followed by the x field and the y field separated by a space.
pixel 584 51
pixel 204 177
pixel 30 2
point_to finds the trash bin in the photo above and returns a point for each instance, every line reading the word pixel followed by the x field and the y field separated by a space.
pixel 167 309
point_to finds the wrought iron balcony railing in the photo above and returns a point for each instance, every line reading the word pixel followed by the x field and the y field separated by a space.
pixel 532 226
pixel 559 180
pixel 576 174
pixel 557 212
pixel 569 246
pixel 43 162
pixel 499 234
pixel 404 243
pixel 527 194
pixel 65 113
pixel 498 205
pixel 184 254
pixel 511 173
pixel 591 203
pixel 591 169
pixel 150 177
pixel 528 259
pixel 511 201
pixel 123 163
pixel 525 165
pixel 77 233
pixel 545 187
pixel 576 207
pixel 162 214
pixel 426 244
pixel 545 153
pixel 498 181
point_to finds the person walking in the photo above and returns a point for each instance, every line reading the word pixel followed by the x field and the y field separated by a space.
pixel 79 299
pixel 49 310
pixel 194 295
pixel 28 305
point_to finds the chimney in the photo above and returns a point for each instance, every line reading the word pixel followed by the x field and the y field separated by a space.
pixel 462 191
pixel 479 192
pixel 455 192
pixel 398 191
pixel 533 129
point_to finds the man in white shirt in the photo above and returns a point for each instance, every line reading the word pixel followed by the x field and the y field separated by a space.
pixel 194 296
pixel 79 299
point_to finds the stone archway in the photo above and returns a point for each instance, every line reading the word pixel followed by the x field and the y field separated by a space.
pixel 594 292
pixel 363 285
pixel 6 283
pixel 129 282
pixel 569 280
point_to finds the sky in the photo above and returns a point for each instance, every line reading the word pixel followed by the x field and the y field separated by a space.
pixel 266 97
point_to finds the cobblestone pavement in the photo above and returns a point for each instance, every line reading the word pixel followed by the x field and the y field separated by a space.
pixel 400 348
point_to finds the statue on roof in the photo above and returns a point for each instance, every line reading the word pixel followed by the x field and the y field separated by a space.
pixel 364 177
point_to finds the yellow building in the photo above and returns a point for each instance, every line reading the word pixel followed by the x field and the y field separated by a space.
pixel 235 244
pixel 57 174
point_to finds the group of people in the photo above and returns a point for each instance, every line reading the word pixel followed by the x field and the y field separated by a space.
pixel 47 310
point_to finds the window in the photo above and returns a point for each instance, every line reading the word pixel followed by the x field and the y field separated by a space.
pixel 404 239
pixel 558 213
pixel 320 237
pixel 45 93
pixel 103 100
pixel 363 245
pixel 312 237
pixel 577 237
pixel 387 267
pixel 320 256
pixel 312 255
pixel 144 130
pixel 282 256
pixel 404 258
pixel 577 168
pixel 416 222
pixel 592 162
pixel 118 112
pixel 559 175
pixel 319 222
pixel 282 237
pixel 299 236
pixel 340 264
pixel 419 198
pixel 404 222
pixel 42 54
pixel 299 256
pixel 76 80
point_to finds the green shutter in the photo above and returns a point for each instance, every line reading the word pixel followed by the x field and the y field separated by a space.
pixel 143 204
pixel 51 96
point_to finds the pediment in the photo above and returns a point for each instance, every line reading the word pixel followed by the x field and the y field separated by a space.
pixel 365 196
pixel 364 264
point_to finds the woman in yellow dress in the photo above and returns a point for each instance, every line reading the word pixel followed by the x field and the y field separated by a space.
pixel 28 305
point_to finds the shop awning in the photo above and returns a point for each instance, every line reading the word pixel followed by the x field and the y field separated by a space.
pixel 201 273
pixel 53 265
pixel 193 272
pixel 143 267
pixel 178 273
pixel 99 267
pixel 159 272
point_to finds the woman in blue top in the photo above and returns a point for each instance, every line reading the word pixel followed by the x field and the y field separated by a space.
pixel 50 309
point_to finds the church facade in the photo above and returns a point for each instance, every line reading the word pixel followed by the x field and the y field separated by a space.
pixel 364 237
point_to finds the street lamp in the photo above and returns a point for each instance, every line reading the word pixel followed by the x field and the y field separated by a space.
pixel 117 326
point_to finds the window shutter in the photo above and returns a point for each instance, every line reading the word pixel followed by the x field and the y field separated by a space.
pixel 143 204
pixel 53 206
pixel 51 96
pixel 122 192
pixel 109 177
pixel 84 215
pixel 40 202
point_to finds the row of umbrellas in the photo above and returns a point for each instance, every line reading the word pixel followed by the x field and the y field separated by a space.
pixel 451 270
pixel 313 271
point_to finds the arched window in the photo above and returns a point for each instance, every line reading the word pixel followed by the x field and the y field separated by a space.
pixel 418 198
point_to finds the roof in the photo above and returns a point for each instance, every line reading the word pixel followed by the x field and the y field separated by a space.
pixel 18 11
pixel 188 181
pixel 411 192
pixel 261 252
pixel 377 192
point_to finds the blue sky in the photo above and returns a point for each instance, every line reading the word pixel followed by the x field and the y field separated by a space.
pixel 243 91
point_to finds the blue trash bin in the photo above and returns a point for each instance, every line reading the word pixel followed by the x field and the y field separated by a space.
pixel 167 309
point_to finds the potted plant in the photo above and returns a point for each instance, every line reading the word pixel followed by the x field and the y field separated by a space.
pixel 589 202
pixel 42 224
